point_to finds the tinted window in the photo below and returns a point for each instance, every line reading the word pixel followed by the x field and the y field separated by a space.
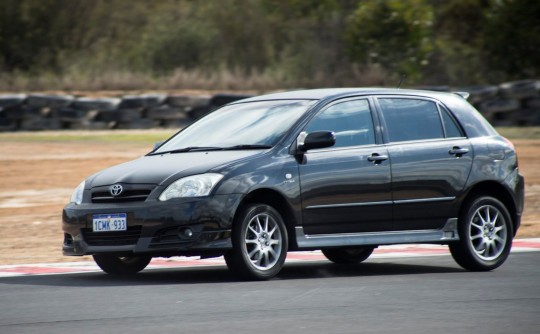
pixel 250 123
pixel 450 127
pixel 411 119
pixel 350 121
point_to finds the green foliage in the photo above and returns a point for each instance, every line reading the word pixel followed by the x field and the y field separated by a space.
pixel 266 43
pixel 173 42
pixel 393 34
pixel 27 37
pixel 456 58
pixel 511 40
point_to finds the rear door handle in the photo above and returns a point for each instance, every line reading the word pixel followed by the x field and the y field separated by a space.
pixel 458 151
pixel 377 158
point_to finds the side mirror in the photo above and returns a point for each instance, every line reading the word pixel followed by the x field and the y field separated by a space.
pixel 158 144
pixel 317 139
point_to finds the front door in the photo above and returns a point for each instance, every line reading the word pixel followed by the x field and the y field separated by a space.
pixel 346 188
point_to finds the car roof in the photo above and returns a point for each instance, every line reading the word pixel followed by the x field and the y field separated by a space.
pixel 474 124
pixel 324 93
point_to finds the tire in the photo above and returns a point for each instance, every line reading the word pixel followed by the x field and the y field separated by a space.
pixel 219 100
pixel 260 243
pixel 485 233
pixel 118 265
pixel 348 255
pixel 49 101
pixel 101 104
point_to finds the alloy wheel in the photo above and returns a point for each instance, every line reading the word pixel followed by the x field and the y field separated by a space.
pixel 488 233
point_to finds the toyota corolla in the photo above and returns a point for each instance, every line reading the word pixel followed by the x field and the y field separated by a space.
pixel 337 170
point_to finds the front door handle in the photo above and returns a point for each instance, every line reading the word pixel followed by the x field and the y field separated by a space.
pixel 376 158
pixel 458 151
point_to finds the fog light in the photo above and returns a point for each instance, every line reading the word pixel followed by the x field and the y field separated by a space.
pixel 68 239
pixel 185 233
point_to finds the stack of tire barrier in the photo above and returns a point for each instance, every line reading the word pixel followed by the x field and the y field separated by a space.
pixel 53 112
pixel 509 104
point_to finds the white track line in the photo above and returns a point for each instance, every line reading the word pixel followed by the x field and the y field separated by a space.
pixel 395 251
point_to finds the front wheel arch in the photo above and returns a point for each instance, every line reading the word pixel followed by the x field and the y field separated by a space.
pixel 279 202
pixel 260 245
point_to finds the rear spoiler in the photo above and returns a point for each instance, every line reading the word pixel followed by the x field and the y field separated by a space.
pixel 464 95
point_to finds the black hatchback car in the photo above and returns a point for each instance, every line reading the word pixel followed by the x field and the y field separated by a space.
pixel 340 170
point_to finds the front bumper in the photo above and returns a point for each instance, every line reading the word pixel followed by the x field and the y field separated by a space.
pixel 153 227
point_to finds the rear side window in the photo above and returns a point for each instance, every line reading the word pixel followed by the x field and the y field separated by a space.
pixel 451 128
pixel 350 121
pixel 411 119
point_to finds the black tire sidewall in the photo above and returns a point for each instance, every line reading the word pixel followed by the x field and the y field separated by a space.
pixel 343 256
pixel 115 265
pixel 467 250
pixel 242 264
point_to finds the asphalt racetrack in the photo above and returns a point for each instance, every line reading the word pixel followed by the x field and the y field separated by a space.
pixel 383 295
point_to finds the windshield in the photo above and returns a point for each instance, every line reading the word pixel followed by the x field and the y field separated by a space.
pixel 244 125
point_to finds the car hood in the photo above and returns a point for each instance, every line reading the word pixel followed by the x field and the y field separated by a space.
pixel 163 169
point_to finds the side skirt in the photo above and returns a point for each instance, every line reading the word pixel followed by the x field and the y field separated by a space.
pixel 441 236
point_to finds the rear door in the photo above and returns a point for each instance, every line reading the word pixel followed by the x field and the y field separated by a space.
pixel 346 188
pixel 431 161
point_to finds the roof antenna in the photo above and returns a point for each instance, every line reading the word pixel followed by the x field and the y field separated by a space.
pixel 403 76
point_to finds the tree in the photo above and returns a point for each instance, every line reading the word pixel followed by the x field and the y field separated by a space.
pixel 511 38
pixel 393 34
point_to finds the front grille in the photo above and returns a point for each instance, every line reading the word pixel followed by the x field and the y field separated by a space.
pixel 127 196
pixel 130 193
pixel 116 238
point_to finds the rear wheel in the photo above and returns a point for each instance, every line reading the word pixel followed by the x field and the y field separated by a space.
pixel 485 232
pixel 259 243
pixel 122 265
pixel 348 255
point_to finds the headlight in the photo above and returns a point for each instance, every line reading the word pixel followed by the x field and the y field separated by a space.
pixel 191 186
pixel 77 195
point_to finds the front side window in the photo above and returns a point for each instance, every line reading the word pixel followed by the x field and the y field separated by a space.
pixel 411 119
pixel 350 121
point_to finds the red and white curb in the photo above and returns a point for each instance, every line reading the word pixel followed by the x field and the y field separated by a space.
pixel 519 246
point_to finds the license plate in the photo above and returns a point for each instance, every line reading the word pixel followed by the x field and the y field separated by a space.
pixel 109 222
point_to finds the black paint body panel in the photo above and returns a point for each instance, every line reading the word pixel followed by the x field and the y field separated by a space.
pixel 325 192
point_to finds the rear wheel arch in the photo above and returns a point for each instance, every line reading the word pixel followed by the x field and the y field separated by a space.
pixel 496 190
pixel 485 232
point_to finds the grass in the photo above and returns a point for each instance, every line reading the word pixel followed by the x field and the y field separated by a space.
pixel 152 136
pixel 223 79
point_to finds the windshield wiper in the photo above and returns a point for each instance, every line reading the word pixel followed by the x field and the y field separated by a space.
pixel 214 148
pixel 189 149
pixel 247 147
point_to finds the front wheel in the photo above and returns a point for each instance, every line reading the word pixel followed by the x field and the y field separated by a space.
pixel 260 243
pixel 485 233
pixel 122 265
pixel 348 255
